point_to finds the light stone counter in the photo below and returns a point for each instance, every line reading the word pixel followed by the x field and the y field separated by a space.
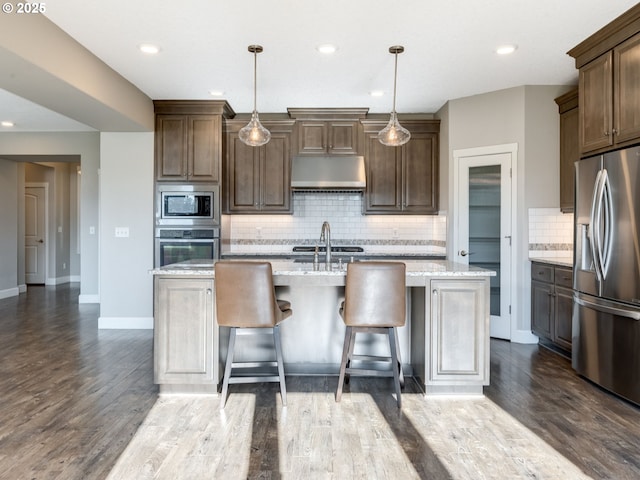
pixel 444 344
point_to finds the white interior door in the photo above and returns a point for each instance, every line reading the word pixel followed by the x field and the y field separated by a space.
pixel 482 230
pixel 35 235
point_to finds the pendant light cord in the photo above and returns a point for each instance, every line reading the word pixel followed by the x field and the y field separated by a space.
pixel 395 79
pixel 255 79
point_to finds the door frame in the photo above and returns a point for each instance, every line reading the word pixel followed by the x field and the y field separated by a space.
pixel 44 185
pixel 512 150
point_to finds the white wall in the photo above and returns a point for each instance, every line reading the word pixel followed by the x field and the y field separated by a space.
pixel 527 116
pixel 126 198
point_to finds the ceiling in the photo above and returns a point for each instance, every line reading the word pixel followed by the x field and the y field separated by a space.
pixel 449 50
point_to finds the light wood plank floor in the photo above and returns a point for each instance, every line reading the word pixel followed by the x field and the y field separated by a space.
pixel 78 403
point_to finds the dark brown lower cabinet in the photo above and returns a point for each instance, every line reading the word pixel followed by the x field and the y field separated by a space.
pixel 551 305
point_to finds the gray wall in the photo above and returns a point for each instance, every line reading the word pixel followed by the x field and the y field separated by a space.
pixel 527 116
pixel 126 199
pixel 8 228
pixel 87 146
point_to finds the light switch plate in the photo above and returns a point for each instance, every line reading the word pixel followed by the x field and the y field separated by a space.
pixel 122 232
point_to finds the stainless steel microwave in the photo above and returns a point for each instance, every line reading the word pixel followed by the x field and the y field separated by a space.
pixel 188 205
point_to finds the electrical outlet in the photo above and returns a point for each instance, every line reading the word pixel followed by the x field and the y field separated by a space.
pixel 64 266
pixel 395 233
pixel 92 230
pixel 122 232
pixel 258 232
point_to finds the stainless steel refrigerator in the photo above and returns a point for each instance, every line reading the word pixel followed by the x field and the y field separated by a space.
pixel 606 307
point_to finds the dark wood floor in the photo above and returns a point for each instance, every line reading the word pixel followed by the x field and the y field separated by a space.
pixel 72 397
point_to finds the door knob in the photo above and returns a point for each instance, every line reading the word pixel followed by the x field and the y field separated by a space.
pixel 40 241
pixel 464 253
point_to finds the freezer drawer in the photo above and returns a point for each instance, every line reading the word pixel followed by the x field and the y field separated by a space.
pixel 606 344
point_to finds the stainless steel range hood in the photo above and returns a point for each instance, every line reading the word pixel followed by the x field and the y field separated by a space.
pixel 328 173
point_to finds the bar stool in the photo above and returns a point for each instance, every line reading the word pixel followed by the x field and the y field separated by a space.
pixel 246 299
pixel 374 303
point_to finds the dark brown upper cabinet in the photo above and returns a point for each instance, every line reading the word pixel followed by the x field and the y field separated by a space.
pixel 258 179
pixel 188 140
pixel 327 131
pixel 609 85
pixel 569 147
pixel 402 180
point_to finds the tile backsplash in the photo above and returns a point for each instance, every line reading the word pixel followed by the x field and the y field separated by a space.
pixel 550 233
pixel 377 233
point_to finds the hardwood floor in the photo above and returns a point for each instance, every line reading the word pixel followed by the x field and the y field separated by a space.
pixel 71 397
pixel 78 403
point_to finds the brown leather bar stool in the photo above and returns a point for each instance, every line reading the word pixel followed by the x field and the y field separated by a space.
pixel 374 303
pixel 246 298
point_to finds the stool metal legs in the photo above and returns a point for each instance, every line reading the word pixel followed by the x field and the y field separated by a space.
pixel 348 357
pixel 229 365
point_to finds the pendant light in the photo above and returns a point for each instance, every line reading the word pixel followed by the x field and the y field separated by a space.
pixel 394 134
pixel 254 134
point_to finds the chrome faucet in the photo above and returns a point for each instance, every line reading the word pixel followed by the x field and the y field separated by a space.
pixel 325 236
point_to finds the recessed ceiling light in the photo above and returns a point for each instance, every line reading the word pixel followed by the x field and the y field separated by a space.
pixel 327 48
pixel 376 93
pixel 149 48
pixel 7 123
pixel 506 49
pixel 216 93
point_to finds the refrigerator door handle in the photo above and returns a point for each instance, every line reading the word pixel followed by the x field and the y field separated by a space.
pixel 633 314
pixel 594 224
pixel 607 242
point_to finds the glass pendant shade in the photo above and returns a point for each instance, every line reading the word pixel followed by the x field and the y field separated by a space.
pixel 394 134
pixel 253 133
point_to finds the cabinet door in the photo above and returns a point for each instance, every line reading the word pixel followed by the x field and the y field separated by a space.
pixel 420 174
pixel 459 336
pixel 595 92
pixel 343 138
pixel 275 174
pixel 569 154
pixel 562 316
pixel 184 331
pixel 312 137
pixel 627 89
pixel 243 193
pixel 542 309
pixel 384 176
pixel 171 147
pixel 204 148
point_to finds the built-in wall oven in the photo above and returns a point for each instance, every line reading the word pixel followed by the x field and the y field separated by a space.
pixel 187 205
pixel 175 245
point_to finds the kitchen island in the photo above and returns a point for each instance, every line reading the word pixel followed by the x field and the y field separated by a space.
pixel 444 345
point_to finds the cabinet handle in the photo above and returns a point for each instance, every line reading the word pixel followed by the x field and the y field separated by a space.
pixel 209 291
pixel 614 131
pixel 606 133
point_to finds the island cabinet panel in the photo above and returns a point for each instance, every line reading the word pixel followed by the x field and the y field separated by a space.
pixel 402 180
pixel 258 179
pixel 184 331
pixel 458 339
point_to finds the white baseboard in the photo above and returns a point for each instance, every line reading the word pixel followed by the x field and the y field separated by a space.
pixel 74 278
pixel 88 298
pixel 127 323
pixel 9 292
pixel 523 336
pixel 58 280
pixel 22 288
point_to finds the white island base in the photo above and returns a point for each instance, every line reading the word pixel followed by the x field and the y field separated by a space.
pixel 444 344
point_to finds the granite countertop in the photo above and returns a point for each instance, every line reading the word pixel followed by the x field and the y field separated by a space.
pixel 564 261
pixel 415 268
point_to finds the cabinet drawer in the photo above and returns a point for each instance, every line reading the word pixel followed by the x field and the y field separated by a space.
pixel 563 277
pixel 542 273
